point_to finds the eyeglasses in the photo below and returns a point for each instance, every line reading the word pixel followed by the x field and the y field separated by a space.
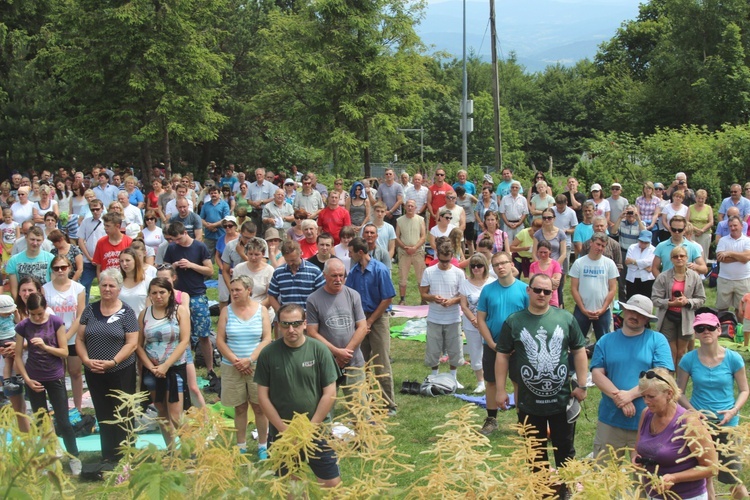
pixel 293 324
pixel 162 267
pixel 676 230
pixel 150 218
pixel 651 374
pixel 679 256
pixel 477 266
pixel 501 263
pixel 540 291
pixel 705 328
pixel 60 268
pixel 547 217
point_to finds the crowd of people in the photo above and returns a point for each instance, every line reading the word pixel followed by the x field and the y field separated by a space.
pixel 312 268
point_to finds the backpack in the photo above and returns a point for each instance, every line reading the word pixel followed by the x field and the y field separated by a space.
pixel 438 385
pixel 728 324
pixel 713 275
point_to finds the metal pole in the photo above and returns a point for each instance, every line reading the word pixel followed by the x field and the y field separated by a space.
pixel 495 91
pixel 464 98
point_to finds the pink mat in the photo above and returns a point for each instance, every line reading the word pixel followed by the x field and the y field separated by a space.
pixel 410 311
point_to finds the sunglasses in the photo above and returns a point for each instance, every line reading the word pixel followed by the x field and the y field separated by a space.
pixel 225 226
pixel 162 267
pixel 439 175
pixel 98 210
pixel 540 291
pixel 294 324
pixel 447 217
pixel 676 230
pixel 150 218
pixel 651 374
pixel 60 268
pixel 705 328
pixel 477 266
pixel 659 189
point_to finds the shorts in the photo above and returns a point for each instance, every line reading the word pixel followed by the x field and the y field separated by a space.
pixel 189 356
pixel 323 462
pixel 72 350
pixel 149 381
pixel 443 339
pixel 223 289
pixel 18 380
pixel 730 461
pixel 470 233
pixel 488 365
pixel 200 318
pixel 236 388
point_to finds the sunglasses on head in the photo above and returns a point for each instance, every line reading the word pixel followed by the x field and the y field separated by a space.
pixel 540 291
pixel 294 324
pixel 705 328
pixel 651 374
pixel 162 267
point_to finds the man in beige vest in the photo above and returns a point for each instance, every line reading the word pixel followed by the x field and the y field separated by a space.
pixel 410 238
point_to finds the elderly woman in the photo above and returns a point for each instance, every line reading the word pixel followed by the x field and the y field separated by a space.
pixel 162 344
pixel 44 205
pixel 243 330
pixel 672 444
pixel 638 261
pixel 22 209
pixel 677 293
pixel 106 343
pixel 715 371
pixel 542 200
pixel 135 196
pixel 701 216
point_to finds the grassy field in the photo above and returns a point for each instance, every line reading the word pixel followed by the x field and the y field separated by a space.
pixel 417 416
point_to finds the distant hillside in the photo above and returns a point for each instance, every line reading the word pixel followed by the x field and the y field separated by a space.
pixel 541 32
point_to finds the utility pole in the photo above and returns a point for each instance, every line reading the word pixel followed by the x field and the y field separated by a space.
pixel 495 87
pixel 464 98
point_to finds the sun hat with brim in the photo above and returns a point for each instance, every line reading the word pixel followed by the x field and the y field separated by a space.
pixel 272 234
pixel 289 181
pixel 658 185
pixel 706 319
pixel 640 304
pixel 7 305
pixel 645 235
pixel 616 185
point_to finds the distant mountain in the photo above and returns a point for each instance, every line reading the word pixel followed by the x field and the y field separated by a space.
pixel 541 32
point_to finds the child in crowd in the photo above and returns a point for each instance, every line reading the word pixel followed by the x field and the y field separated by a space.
pixel 10 231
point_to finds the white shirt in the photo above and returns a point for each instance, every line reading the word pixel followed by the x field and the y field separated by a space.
pixel 514 208
pixel 132 214
pixel 643 259
pixel 734 271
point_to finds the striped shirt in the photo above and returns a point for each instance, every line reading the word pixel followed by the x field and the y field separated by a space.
pixel 290 288
pixel 243 336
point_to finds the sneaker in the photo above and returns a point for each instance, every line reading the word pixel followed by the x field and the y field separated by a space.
pixel 391 412
pixel 490 426
pixel 75 467
pixel 402 302
pixel 459 385
pixel 10 385
pixel 263 452
pixel 480 388
pixel 211 375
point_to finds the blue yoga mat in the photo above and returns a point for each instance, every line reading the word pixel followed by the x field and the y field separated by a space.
pixel 92 442
pixel 481 400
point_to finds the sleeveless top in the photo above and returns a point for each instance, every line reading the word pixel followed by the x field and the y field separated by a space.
pixel 135 297
pixel 243 336
pixel 699 219
pixel 357 213
pixel 161 337
pixel 664 450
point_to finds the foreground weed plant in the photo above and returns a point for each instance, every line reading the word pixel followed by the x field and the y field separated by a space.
pixel 29 464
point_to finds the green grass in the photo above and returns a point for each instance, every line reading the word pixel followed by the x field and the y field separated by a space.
pixel 417 416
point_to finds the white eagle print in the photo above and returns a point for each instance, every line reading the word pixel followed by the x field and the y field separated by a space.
pixel 544 375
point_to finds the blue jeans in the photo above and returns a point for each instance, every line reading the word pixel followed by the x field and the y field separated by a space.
pixel 87 277
pixel 601 325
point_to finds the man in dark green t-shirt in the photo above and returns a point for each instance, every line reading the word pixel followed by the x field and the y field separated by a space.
pixel 298 374
pixel 542 338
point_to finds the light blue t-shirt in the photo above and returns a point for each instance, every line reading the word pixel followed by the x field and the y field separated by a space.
pixel 468 186
pixel 623 358
pixel 664 248
pixel 39 266
pixel 713 388
pixel 500 301
pixel 583 233
pixel 7 328
pixel 503 189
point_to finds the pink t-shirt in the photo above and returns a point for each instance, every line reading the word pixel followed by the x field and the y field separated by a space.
pixel 553 268
pixel 746 306
pixel 677 286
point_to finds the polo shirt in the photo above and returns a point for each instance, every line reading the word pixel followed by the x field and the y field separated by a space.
pixel 214 213
pixel 295 288
pixel 664 249
pixel 734 270
pixel 743 205
pixel 373 284
pixel 106 195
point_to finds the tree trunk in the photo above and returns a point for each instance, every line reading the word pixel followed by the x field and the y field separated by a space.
pixel 366 151
pixel 146 164
pixel 166 154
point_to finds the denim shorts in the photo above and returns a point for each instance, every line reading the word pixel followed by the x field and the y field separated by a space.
pixel 16 379
pixel 149 380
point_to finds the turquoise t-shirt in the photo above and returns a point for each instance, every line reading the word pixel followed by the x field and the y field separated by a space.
pixel 39 266
pixel 500 301
pixel 664 249
pixel 623 358
pixel 713 388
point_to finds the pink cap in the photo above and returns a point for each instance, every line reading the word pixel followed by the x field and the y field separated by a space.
pixel 706 319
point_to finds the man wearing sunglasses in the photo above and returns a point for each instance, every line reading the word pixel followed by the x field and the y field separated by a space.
pixel 619 357
pixel 90 231
pixel 540 338
pixel 662 262
pixel 297 374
